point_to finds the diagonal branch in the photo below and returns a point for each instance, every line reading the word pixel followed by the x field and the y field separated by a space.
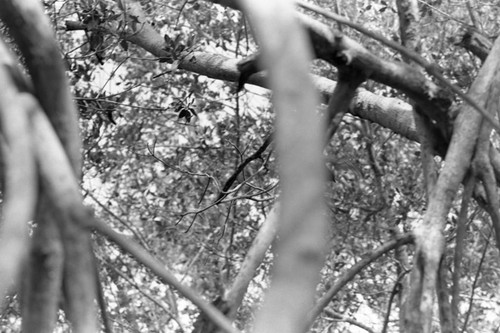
pixel 61 186
pixel 352 272
pixel 286 53
pixel 33 34
pixel 328 45
pixel 429 234
pixel 257 154
pixel 340 101
pixel 432 69
pixel 19 178
pixel 253 259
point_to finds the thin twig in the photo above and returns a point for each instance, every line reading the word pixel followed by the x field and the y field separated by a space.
pixel 145 258
pixel 242 166
pixel 145 293
pixel 139 237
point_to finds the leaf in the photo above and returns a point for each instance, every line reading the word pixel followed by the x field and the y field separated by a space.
pixel 114 17
pixel 179 48
pixel 124 44
pixel 185 114
pixel 190 41
pixel 135 21
pixel 178 38
pixel 174 65
pixel 167 39
pixel 109 113
pixel 179 107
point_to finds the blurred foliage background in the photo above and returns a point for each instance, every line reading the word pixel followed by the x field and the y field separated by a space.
pixel 160 144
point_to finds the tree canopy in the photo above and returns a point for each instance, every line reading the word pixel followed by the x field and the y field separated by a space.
pixel 236 166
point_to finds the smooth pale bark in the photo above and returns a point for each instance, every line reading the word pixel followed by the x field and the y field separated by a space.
pixel 20 186
pixel 429 234
pixel 33 34
pixel 409 17
pixel 253 259
pixel 286 54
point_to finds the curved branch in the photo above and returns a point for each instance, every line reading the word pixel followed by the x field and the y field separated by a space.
pixel 352 272
pixel 386 111
pixel 429 234
pixel 432 69
pixel 18 175
pixel 158 268
pixel 34 36
pixel 62 187
pixel 257 154
pixel 339 317
pixel 253 259
pixel 476 43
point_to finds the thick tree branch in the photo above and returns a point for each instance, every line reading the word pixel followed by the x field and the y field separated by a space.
pixel 430 68
pixel 389 112
pixel 286 53
pixel 230 302
pixel 340 101
pixel 19 178
pixel 443 298
pixel 429 234
pixel 340 317
pixel 408 14
pixel 253 259
pixel 328 45
pixel 43 278
pixel 482 163
pixel 476 43
pixel 33 34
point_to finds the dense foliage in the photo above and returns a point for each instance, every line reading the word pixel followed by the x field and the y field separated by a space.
pixel 182 164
